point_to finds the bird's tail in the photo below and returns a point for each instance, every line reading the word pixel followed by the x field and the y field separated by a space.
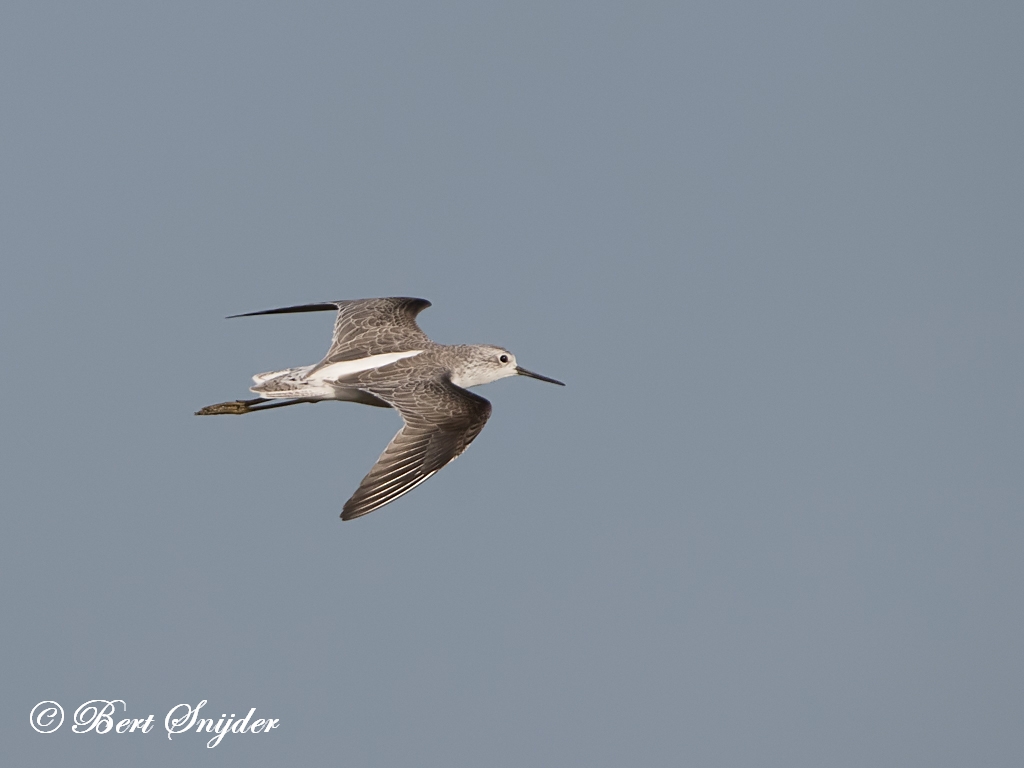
pixel 289 383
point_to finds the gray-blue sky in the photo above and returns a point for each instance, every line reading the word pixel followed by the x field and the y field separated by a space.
pixel 775 250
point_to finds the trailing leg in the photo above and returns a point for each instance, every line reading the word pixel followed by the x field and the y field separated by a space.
pixel 238 407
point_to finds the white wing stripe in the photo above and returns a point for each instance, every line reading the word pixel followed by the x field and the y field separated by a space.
pixel 336 371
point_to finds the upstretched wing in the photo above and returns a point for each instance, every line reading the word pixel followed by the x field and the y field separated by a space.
pixel 367 327
pixel 441 420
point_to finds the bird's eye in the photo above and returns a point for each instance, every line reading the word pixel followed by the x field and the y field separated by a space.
pixel 503 359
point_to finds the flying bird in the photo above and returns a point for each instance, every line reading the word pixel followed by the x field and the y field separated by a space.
pixel 380 357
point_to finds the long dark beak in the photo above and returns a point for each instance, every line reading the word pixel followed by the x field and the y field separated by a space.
pixel 532 375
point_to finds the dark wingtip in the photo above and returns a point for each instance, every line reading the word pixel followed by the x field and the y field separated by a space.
pixel 327 306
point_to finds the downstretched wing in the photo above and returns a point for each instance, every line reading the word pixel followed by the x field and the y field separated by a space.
pixel 367 327
pixel 441 420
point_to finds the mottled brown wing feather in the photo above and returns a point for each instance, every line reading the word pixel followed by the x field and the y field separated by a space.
pixel 367 327
pixel 441 420
pixel 375 326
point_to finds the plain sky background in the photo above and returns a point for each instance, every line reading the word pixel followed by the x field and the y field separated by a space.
pixel 776 250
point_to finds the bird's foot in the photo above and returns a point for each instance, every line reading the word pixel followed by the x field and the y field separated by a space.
pixel 234 406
